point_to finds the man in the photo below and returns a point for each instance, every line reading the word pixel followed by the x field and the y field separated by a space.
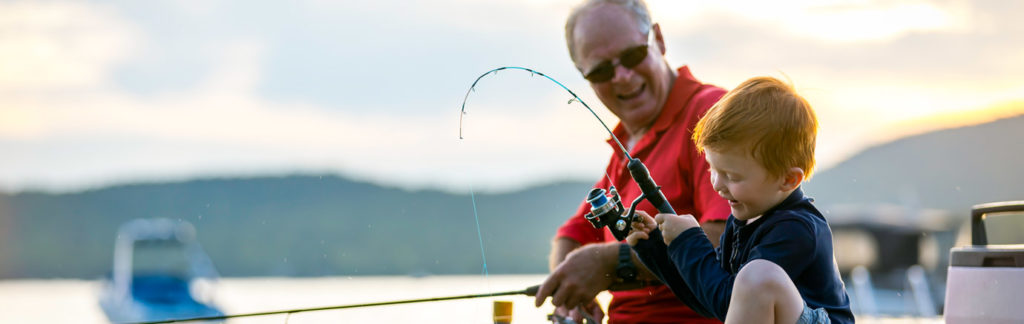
pixel 622 54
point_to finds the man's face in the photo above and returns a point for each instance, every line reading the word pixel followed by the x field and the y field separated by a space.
pixel 741 180
pixel 636 95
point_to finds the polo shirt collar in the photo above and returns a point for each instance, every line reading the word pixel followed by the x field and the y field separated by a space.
pixel 682 91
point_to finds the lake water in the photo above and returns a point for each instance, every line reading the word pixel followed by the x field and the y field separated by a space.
pixel 75 301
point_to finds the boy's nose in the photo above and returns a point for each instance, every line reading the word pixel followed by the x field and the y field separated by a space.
pixel 716 184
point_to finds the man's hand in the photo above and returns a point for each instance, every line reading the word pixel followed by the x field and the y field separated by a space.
pixel 672 225
pixel 641 229
pixel 585 272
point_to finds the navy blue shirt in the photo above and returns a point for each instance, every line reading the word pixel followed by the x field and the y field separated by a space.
pixel 793 235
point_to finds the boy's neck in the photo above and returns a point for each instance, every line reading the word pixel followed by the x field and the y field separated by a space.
pixel 779 200
pixel 783 195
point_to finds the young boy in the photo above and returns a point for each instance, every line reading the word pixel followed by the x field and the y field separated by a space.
pixel 775 262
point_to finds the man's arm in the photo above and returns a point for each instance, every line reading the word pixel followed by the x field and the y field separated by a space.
pixel 560 247
pixel 580 272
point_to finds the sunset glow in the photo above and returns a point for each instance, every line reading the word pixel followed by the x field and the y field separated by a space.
pixel 95 93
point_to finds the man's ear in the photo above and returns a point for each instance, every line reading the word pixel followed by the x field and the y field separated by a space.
pixel 792 179
pixel 658 39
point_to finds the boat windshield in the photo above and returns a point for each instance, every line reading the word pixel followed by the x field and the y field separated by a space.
pixel 163 257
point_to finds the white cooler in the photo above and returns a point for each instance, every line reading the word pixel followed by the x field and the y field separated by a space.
pixel 985 282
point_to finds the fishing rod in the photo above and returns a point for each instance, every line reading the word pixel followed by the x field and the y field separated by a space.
pixel 530 291
pixel 606 210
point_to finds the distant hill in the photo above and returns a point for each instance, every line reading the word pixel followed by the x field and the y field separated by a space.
pixel 949 169
pixel 313 225
pixel 296 226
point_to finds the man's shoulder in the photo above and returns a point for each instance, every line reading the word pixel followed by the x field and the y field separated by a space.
pixel 710 91
pixel 707 96
pixel 699 102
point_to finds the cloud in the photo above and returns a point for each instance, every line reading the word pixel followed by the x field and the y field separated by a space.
pixel 221 122
pixel 56 45
pixel 841 21
pixel 54 50
pixel 171 89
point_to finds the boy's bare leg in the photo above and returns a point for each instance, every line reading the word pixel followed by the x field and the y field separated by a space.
pixel 763 293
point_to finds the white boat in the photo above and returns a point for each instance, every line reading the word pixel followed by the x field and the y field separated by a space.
pixel 160 272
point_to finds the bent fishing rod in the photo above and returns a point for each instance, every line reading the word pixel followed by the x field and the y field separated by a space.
pixel 606 210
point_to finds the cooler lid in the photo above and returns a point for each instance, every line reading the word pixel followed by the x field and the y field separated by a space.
pixel 1004 255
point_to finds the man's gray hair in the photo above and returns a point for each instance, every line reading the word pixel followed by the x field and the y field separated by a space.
pixel 637 8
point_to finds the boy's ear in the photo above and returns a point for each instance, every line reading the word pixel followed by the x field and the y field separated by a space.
pixel 792 179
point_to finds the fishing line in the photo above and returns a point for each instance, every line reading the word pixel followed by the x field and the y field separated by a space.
pixel 610 182
pixel 480 236
pixel 575 98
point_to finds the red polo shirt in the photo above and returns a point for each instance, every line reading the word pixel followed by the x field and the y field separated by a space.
pixel 681 172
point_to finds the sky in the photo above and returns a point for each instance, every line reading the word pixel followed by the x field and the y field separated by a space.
pixel 95 93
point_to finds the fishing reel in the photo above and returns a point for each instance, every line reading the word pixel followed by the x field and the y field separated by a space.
pixel 607 211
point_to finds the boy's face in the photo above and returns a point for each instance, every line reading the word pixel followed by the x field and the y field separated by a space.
pixel 744 182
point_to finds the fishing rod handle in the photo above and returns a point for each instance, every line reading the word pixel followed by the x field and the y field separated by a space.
pixel 651 191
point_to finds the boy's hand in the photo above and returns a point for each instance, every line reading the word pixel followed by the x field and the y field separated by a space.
pixel 672 225
pixel 641 228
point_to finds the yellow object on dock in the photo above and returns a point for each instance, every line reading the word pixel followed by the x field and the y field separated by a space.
pixel 502 312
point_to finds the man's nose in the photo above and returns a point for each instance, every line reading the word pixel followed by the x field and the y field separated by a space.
pixel 622 73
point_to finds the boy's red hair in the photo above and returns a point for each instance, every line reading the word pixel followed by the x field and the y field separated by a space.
pixel 768 117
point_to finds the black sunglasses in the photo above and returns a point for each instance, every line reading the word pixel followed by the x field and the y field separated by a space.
pixel 606 70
